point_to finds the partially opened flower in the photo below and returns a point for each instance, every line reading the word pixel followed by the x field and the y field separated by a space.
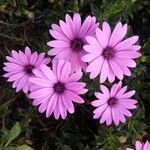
pixel 109 55
pixel 70 38
pixel 20 66
pixel 55 90
pixel 141 146
pixel 113 105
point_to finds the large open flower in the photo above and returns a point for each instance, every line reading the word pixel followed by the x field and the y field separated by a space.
pixel 141 146
pixel 113 105
pixel 20 66
pixel 70 38
pixel 55 90
pixel 109 55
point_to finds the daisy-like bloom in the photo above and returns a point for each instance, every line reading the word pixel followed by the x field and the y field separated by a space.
pixel 109 55
pixel 69 39
pixel 141 146
pixel 20 66
pixel 113 105
pixel 55 90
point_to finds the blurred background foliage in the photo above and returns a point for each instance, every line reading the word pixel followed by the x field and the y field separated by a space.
pixel 26 23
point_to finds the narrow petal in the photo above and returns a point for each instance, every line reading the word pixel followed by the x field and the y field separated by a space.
pixel 74 97
pixel 95 67
pixel 118 34
pixel 126 43
pixel 68 104
pixel 128 94
pixel 51 105
pixel 104 89
pixel 104 72
pixel 85 26
pixel 33 58
pixel 115 116
pixel 58 44
pixel 105 115
pixel 57 35
pixel 107 31
pixel 66 29
pixel 28 52
pixel 65 72
pixel 103 40
pixel 48 73
pixel 116 69
pixel 139 145
pixel 77 23
pixel 62 109
pixel 41 93
pixel 74 77
pixel 127 54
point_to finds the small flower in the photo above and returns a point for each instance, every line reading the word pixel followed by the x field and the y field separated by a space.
pixel 55 90
pixel 20 67
pixel 141 146
pixel 70 38
pixel 112 106
pixel 108 55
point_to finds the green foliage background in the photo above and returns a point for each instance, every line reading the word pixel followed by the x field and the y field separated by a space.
pixel 26 23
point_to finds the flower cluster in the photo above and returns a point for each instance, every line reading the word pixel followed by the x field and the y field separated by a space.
pixel 78 48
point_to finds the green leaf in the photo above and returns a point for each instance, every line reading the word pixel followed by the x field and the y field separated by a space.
pixel 24 147
pixel 14 133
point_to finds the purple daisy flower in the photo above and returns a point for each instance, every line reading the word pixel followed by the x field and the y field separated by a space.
pixel 112 106
pixel 70 38
pixel 55 90
pixel 20 66
pixel 141 146
pixel 109 55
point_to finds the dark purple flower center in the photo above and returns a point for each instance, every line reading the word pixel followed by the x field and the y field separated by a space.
pixel 29 69
pixel 77 44
pixel 108 53
pixel 59 87
pixel 112 101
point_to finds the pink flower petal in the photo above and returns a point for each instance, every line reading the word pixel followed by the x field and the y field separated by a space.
pixel 118 34
pixel 111 75
pixel 17 76
pixel 139 145
pixel 28 52
pixel 65 72
pixel 85 26
pixel 41 93
pixel 74 97
pixel 104 72
pixel 62 109
pixel 75 77
pixel 115 116
pixel 57 111
pixel 68 104
pixel 105 114
pixel 23 58
pixel 33 58
pixel 128 94
pixel 116 69
pixel 58 44
pixel 51 104
pixel 107 32
pixel 103 40
pixel 48 73
pixel 104 89
pixel 127 54
pixel 77 23
pixel 126 44
pixel 57 35
pixel 66 29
